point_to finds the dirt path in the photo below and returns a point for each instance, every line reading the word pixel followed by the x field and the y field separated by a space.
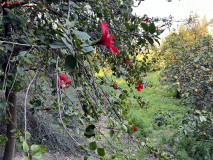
pixel 51 156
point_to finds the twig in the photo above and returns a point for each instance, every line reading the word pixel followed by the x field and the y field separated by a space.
pixel 103 91
pixel 68 14
pixel 129 145
pixel 21 44
pixel 11 88
pixel 5 72
pixel 25 106
pixel 59 108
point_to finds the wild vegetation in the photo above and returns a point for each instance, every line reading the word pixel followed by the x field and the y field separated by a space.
pixel 89 80
pixel 188 70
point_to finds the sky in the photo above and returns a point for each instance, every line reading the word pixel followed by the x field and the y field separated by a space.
pixel 179 9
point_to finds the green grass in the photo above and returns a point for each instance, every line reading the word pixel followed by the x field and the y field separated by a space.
pixel 157 98
pixel 154 93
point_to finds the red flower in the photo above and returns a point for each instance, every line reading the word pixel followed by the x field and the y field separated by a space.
pixel 107 39
pixel 135 128
pixel 147 19
pixel 47 109
pixel 115 86
pixel 65 80
pixel 138 86
pixel 144 75
pixel 158 28
pixel 126 62
pixel 162 25
pixel 104 28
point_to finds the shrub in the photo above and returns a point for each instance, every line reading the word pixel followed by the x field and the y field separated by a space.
pixel 194 137
pixel 189 67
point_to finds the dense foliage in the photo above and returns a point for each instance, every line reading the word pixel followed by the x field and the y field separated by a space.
pixel 189 64
pixel 55 48
pixel 188 69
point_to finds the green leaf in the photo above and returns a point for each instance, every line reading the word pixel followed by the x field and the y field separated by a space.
pixel 21 139
pixel 3 104
pixel 127 26
pixel 82 147
pixel 70 63
pixel 70 24
pixel 152 28
pixel 3 140
pixel 101 152
pixel 22 53
pixel 124 128
pixel 93 145
pixel 39 5
pixel 88 158
pixel 25 158
pixel 150 40
pixel 10 13
pixel 57 44
pixel 90 131
pixel 20 71
pixel 88 49
pixel 111 132
pixel 202 118
pixel 27 60
pixel 145 26
pixel 30 55
pixel 25 146
pixel 14 131
pixel 81 35
pixel 66 43
pixel 157 41
pixel 97 9
pixel 38 151
pixel 67 38
pixel 64 29
pixel 155 155
pixel 28 135
pixel 74 4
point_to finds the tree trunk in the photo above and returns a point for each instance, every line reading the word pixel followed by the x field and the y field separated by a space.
pixel 12 101
pixel 10 145
pixel 178 94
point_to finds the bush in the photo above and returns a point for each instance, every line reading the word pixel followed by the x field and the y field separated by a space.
pixel 194 139
pixel 189 68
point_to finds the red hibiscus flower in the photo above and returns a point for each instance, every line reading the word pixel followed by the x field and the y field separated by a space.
pixel 47 109
pixel 162 25
pixel 158 28
pixel 63 80
pixel 104 28
pixel 146 19
pixel 135 128
pixel 138 86
pixel 115 86
pixel 126 62
pixel 107 39
pixel 144 75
